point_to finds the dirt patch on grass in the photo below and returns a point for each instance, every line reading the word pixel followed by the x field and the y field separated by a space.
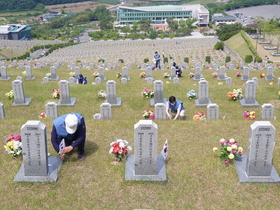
pixel 73 7
pixel 275 103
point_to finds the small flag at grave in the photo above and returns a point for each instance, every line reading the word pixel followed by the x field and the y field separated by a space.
pixel 164 151
pixel 61 146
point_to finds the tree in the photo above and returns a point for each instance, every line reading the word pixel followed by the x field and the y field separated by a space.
pixel 153 34
pixel 145 24
pixel 173 25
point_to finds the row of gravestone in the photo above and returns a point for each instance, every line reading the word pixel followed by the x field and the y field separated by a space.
pixel 145 164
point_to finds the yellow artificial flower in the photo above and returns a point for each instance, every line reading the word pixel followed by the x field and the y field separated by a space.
pixel 231 156
pixel 222 140
pixel 233 146
pixel 240 149
pixel 229 149
pixel 215 149
pixel 232 140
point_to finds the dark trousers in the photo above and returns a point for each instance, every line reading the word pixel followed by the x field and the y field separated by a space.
pixel 158 64
pixel 80 147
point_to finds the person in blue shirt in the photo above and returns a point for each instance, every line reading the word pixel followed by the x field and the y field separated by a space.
pixel 157 58
pixel 82 79
pixel 175 106
pixel 70 127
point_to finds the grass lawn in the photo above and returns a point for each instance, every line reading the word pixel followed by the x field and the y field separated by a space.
pixel 196 177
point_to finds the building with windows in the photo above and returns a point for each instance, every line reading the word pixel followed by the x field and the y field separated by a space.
pixel 220 19
pixel 159 14
pixel 15 32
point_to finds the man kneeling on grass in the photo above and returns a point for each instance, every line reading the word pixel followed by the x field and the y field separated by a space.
pixel 175 106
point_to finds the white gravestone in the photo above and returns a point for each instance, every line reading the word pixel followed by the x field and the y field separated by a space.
pixel 257 166
pixel 149 73
pixel 29 73
pixel 245 75
pixel 97 80
pixel 145 164
pixel 176 80
pixel 149 80
pixel 172 73
pixel 267 112
pixel 2 111
pixel 53 73
pixel 197 75
pixel 278 81
pixel 51 110
pixel 65 99
pixel 203 99
pixel 228 81
pixel 160 111
pixel 112 94
pixel 123 80
pixel 212 112
pixel 158 93
pixel 72 80
pixel 46 80
pixel 4 73
pixel 256 80
pixel 125 73
pixel 36 166
pixel 101 73
pixel 77 72
pixel 106 111
pixel 250 94
pixel 269 74
pixel 19 78
pixel 19 98
pixel 222 74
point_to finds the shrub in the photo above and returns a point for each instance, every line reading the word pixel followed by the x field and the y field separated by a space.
pixel 186 59
pixel 121 60
pixel 165 60
pixel 219 46
pixel 248 58
pixel 101 60
pixel 228 59
pixel 208 59
pixel 259 59
pixel 146 60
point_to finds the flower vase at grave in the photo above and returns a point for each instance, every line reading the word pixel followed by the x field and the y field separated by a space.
pixel 238 158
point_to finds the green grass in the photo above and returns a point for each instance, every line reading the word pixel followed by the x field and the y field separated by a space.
pixel 196 177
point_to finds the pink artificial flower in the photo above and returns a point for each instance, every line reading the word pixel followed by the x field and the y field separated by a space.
pixel 226 161
pixel 239 153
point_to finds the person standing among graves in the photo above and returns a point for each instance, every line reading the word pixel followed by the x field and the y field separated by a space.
pixel 157 58
pixel 82 79
pixel 175 106
pixel 72 129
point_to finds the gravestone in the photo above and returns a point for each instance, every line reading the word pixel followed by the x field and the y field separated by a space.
pixel 19 78
pixel 228 81
pixel 145 164
pixel 36 166
pixel 222 74
pixel 176 80
pixel 214 67
pixel 46 80
pixel 172 73
pixel 269 74
pixel 19 98
pixel 53 73
pixel 112 94
pixel 158 93
pixel 106 111
pixel 197 75
pixel 256 80
pixel 278 81
pixel 212 112
pixel 77 72
pixel 4 73
pixel 160 111
pixel 72 80
pixel 65 99
pixel 250 94
pixel 267 112
pixel 149 73
pixel 245 75
pixel 29 73
pixel 123 80
pixel 101 73
pixel 51 110
pixel 97 80
pixel 149 80
pixel 203 99
pixel 125 73
pixel 257 166
pixel 2 111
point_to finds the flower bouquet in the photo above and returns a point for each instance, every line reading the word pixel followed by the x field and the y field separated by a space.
pixel 118 75
pixel 191 75
pixel 215 74
pixel 235 94
pixel 166 75
pixel 13 145
pixel 199 116
pixel 120 148
pixel 102 94
pixel 97 116
pixel 249 115
pixel 72 74
pixel 10 94
pixel 279 95
pixel 95 74
pixel 148 114
pixel 24 73
pixel 229 150
pixel 238 74
pixel 191 94
pixel 48 75
pixel 43 115
pixel 271 84
pixel 55 93
pixel 143 74
pixel 147 93
pixel 262 75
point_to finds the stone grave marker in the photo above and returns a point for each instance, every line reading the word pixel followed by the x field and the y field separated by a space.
pixel 149 73
pixel 250 94
pixel 101 73
pixel 278 81
pixel 267 112
pixel 160 111
pixel 256 80
pixel 77 72
pixel 125 73
pixel 203 99
pixel 46 80
pixel 37 166
pixel 176 80
pixel 123 80
pixel 65 99
pixel 197 75
pixel 214 67
pixel 53 73
pixel 172 73
pixel 145 164
pixel 4 73
pixel 19 97
pixel 222 74
pixel 257 166
pixel 269 74
pixel 97 80
pixel 112 94
pixel 228 81
pixel 212 112
pixel 245 75
pixel 106 111
pixel 149 80
pixel 2 111
pixel 158 93
pixel 72 80
pixel 29 73
pixel 51 110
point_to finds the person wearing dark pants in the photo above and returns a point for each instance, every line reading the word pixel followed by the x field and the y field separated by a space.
pixel 157 58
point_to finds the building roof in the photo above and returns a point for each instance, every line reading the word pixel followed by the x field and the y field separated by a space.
pixel 11 28
pixel 167 8
pixel 224 18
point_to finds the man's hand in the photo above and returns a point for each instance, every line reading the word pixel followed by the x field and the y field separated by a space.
pixel 67 149
pixel 62 156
